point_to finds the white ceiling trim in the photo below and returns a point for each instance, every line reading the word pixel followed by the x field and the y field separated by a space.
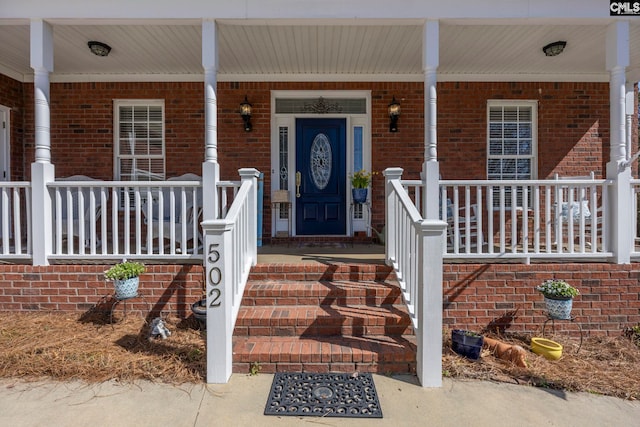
pixel 15 75
pixel 84 78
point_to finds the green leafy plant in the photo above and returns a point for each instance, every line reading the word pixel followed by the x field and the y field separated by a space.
pixel 361 179
pixel 124 270
pixel 255 368
pixel 554 288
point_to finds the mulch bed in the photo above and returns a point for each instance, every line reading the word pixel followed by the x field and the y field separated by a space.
pixel 65 346
pixel 603 365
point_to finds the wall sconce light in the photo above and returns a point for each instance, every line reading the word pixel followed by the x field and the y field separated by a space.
pixel 554 49
pixel 394 113
pixel 245 113
pixel 99 48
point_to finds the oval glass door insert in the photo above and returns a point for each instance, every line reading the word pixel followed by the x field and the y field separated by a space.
pixel 321 158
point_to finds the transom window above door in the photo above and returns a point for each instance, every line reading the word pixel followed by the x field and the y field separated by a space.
pixel 321 105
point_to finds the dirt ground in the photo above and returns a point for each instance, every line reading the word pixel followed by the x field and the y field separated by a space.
pixel 65 346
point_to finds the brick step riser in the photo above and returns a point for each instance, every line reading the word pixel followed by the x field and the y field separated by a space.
pixel 322 331
pixel 321 272
pixel 354 276
pixel 267 300
pixel 267 367
pixel 349 354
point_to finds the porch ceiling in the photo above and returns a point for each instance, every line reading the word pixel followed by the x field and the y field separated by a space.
pixel 375 50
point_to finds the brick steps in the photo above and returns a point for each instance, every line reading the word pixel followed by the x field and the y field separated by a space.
pixel 323 318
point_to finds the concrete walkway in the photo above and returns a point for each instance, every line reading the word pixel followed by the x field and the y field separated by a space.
pixel 242 402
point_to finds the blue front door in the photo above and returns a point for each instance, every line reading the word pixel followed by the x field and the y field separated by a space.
pixel 320 170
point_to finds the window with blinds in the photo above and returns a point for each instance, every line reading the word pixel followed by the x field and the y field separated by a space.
pixel 511 145
pixel 139 145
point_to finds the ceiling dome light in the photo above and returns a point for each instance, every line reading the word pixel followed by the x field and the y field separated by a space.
pixel 99 48
pixel 555 48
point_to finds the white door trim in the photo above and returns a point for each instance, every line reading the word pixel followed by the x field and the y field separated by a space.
pixel 289 121
pixel 5 143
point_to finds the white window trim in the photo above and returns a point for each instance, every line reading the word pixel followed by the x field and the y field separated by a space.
pixel 117 103
pixel 533 104
pixel 534 130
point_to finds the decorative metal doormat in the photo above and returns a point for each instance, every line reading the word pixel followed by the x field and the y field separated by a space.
pixel 323 395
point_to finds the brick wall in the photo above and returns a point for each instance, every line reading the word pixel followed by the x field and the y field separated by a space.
pixel 170 289
pixel 482 295
pixel 573 126
pixel 82 125
pixel 12 96
pixel 476 296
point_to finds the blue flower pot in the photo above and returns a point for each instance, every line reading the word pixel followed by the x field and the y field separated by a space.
pixel 359 195
pixel 559 308
pixel 127 288
pixel 466 345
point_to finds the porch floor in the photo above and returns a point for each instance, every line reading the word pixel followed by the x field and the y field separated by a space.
pixel 321 253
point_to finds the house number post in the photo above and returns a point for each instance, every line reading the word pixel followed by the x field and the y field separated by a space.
pixel 217 264
pixel 214 277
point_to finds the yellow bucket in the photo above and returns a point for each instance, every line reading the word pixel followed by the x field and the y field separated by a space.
pixel 549 349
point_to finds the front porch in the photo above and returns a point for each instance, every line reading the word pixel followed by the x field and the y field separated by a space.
pixel 493 221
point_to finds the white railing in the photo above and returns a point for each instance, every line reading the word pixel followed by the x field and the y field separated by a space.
pixel 414 249
pixel 133 219
pixel 15 220
pixel 231 251
pixel 523 219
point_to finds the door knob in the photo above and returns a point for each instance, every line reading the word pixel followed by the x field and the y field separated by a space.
pixel 298 181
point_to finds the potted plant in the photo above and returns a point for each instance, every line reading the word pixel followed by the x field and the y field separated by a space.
pixel 467 343
pixel 558 296
pixel 125 276
pixel 360 181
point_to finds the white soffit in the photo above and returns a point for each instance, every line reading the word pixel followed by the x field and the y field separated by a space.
pixel 366 51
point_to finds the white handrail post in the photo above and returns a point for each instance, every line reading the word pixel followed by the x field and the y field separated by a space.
pixel 429 301
pixel 251 174
pixel 390 213
pixel 218 276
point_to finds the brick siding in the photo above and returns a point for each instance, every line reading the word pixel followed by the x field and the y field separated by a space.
pixel 12 96
pixel 478 296
pixel 165 289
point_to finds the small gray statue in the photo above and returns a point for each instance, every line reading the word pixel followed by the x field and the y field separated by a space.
pixel 158 328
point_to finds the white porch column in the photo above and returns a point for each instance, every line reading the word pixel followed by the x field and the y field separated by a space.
pixel 42 171
pixel 430 167
pixel 210 167
pixel 620 196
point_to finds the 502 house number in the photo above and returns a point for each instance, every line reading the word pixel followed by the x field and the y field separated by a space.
pixel 214 277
